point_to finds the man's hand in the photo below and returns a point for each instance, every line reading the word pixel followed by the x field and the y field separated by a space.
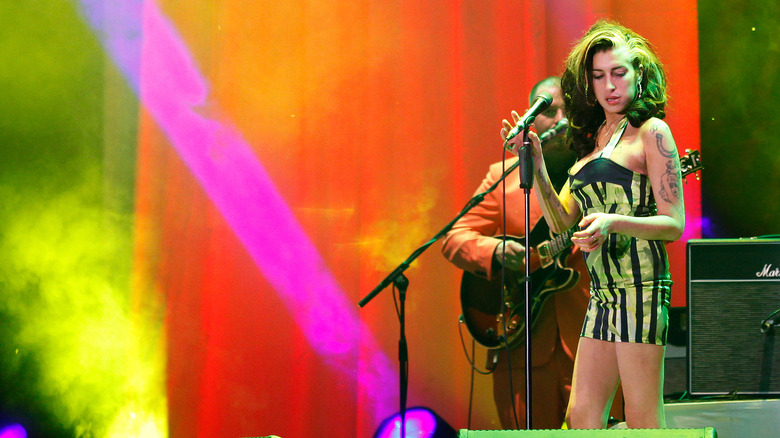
pixel 513 256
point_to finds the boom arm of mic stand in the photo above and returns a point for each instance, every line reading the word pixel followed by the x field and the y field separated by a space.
pixel 399 279
pixel 473 202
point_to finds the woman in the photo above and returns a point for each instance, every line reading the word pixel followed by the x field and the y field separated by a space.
pixel 624 193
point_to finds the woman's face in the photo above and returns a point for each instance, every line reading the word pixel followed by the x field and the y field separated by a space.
pixel 614 80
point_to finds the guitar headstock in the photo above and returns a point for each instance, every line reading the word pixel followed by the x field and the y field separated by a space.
pixel 690 163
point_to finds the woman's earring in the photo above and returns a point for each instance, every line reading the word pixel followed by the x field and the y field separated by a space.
pixel 639 87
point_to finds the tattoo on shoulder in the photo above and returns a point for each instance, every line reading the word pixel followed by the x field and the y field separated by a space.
pixel 665 150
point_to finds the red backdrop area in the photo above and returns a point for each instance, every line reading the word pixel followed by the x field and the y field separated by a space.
pixel 375 120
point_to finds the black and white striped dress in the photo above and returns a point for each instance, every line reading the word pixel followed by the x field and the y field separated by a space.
pixel 630 281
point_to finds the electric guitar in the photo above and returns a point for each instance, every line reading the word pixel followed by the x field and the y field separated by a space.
pixel 481 299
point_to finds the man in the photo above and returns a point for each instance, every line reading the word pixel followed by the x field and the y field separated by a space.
pixel 474 245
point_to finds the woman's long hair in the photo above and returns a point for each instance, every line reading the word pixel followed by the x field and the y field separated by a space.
pixel 582 109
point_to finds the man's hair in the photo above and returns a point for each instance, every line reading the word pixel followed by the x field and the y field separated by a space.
pixel 582 109
pixel 552 81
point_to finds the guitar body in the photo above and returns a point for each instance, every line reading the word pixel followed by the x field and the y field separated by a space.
pixel 481 299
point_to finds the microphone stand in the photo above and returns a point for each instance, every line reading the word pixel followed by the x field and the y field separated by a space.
pixel 770 322
pixel 768 328
pixel 397 274
pixel 525 169
pixel 401 282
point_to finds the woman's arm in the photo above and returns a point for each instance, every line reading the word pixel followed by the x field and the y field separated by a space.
pixel 560 210
pixel 663 169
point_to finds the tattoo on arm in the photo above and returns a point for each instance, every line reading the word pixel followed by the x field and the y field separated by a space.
pixel 549 193
pixel 670 180
pixel 668 152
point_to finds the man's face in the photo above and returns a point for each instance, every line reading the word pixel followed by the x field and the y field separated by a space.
pixel 557 154
pixel 548 119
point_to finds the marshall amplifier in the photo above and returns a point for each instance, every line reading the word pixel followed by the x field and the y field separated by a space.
pixel 733 298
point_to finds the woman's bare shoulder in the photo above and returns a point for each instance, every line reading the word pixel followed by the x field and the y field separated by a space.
pixel 657 139
pixel 653 127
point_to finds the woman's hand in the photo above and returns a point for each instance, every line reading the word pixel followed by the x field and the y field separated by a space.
pixel 595 229
pixel 514 144
pixel 508 126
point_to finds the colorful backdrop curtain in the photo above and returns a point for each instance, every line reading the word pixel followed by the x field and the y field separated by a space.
pixel 265 165
pixel 353 133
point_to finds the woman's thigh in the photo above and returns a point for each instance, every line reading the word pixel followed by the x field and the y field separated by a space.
pixel 596 377
pixel 642 370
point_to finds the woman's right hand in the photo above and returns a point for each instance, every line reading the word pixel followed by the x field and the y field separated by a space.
pixel 506 126
pixel 516 142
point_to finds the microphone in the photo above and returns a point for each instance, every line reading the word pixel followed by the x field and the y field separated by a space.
pixel 541 103
pixel 558 129
pixel 768 325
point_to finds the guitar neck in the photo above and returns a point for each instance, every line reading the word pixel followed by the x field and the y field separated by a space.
pixel 550 249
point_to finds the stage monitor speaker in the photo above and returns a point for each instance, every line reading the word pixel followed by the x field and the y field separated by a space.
pixel 733 287
pixel 590 433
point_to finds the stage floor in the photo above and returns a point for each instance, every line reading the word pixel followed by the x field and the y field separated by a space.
pixel 730 418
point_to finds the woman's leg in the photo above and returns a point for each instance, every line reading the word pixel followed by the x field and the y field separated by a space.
pixel 594 382
pixel 642 369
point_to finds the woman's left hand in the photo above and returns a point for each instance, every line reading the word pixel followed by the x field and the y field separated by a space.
pixel 595 228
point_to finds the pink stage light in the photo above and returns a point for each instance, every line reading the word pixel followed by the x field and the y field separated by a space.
pixel 420 423
pixel 158 66
pixel 13 431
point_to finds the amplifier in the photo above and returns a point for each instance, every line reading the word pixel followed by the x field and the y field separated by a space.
pixel 733 287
